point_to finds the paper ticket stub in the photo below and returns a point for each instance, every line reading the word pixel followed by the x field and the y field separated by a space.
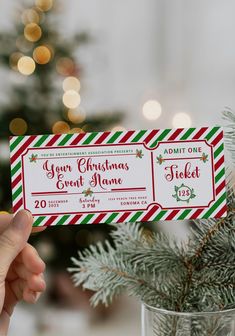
pixel 112 177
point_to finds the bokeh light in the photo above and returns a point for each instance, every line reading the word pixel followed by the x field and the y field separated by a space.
pixel 118 128
pixel 13 61
pixel 71 83
pixel 42 55
pixel 65 66
pixel 32 32
pixel 76 116
pixel 60 127
pixel 152 110
pixel 30 16
pixel 181 119
pixel 26 65
pixel 76 130
pixel 23 44
pixel 18 126
pixel 71 99
pixel 44 5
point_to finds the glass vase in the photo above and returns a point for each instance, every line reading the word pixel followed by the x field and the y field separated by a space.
pixel 159 322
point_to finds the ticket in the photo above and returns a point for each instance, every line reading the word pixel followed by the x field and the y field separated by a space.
pixel 124 176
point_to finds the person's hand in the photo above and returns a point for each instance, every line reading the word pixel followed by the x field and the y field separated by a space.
pixel 21 268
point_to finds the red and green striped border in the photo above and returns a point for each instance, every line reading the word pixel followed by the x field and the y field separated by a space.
pixel 213 135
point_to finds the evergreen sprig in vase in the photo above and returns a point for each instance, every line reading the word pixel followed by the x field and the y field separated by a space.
pixel 187 290
pixel 160 322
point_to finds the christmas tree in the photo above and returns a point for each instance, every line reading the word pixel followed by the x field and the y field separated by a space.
pixel 44 96
pixel 197 276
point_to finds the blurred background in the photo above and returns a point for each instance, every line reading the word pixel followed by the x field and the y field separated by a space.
pixel 78 66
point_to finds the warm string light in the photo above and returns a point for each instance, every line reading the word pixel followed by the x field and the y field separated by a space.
pixel 71 99
pixel 42 54
pixel 118 128
pixel 76 130
pixel 76 116
pixel 32 32
pixel 152 110
pixel 23 44
pixel 65 66
pixel 60 127
pixel 71 83
pixel 181 119
pixel 14 58
pixel 44 5
pixel 26 65
pixel 18 126
pixel 30 16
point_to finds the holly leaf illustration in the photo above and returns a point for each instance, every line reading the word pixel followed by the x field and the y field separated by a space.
pixel 204 157
pixel 139 153
pixel 87 192
pixel 33 158
pixel 160 159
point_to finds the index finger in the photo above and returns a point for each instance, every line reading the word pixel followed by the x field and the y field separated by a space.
pixel 5 219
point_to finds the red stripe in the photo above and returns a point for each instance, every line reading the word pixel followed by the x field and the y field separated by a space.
pixel 175 134
pixel 221 212
pixel 220 187
pixel 196 213
pixel 200 132
pixel 78 138
pixel 150 136
pixel 75 219
pixel 22 148
pixel 150 213
pixel 53 140
pixel 99 218
pixel 17 205
pixel 219 163
pixel 50 220
pixel 16 181
pixel 172 215
pixel 126 136
pixel 123 217
pixel 217 139
pixel 102 137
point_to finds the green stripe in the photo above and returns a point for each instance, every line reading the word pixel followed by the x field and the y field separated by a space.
pixel 63 220
pixel 41 140
pixel 136 216
pixel 111 218
pixel 212 132
pixel 184 214
pixel 16 168
pixel 39 221
pixel 114 137
pixel 87 219
pixel 90 138
pixel 17 193
pixel 219 175
pixel 138 136
pixel 215 206
pixel 16 142
pixel 161 137
pixel 187 134
pixel 160 215
pixel 65 140
pixel 218 150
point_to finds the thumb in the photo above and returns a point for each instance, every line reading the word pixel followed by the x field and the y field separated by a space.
pixel 13 240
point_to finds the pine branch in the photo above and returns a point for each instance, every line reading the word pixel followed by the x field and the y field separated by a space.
pixel 197 276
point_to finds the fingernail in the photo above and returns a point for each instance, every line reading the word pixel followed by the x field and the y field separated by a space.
pixel 21 219
pixel 37 296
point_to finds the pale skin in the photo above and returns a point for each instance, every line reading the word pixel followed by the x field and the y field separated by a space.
pixel 21 268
